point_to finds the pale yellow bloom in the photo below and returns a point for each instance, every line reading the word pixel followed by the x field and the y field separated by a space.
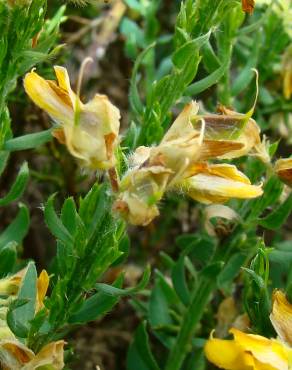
pixel 90 131
pixel 16 356
pixel 254 352
pixel 283 168
pixel 141 190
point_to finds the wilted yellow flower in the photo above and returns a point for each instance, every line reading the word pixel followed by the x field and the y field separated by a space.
pixel 179 163
pixel 216 183
pixel 90 131
pixel 141 190
pixel 254 352
pixel 283 168
pixel 16 356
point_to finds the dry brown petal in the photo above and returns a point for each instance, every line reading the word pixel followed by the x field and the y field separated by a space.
pixel 283 168
pixel 248 6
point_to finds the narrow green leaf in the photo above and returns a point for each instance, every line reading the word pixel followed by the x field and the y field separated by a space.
pixel 96 306
pixel 18 187
pixel 29 141
pixel 17 229
pixel 139 355
pixel 27 291
pixel 54 223
pixel 117 292
pixel 179 281
pixel 8 255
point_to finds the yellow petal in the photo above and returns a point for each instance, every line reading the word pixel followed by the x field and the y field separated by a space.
pixel 226 354
pixel 266 351
pixel 218 183
pixel 49 97
pixel 10 285
pixel 283 168
pixel 42 287
pixel 64 83
pixel 182 126
pixel 14 355
pixel 281 317
pixel 52 355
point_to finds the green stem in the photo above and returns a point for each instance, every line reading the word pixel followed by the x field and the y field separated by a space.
pixel 189 324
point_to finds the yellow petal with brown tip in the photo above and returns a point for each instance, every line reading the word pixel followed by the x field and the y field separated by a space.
pixel 49 97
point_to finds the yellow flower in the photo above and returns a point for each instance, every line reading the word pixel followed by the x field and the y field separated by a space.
pixel 90 131
pixel 217 183
pixel 16 356
pixel 283 168
pixel 254 352
pixel 248 352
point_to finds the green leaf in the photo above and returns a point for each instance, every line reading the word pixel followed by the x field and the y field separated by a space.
pixel 29 141
pixel 54 223
pixel 18 187
pixel 134 97
pixel 28 291
pixel 279 216
pixel 179 281
pixel 139 355
pixel 17 327
pixel 211 79
pixel 17 229
pixel 230 270
pixel 117 292
pixel 8 255
pixel 96 306
pixel 159 306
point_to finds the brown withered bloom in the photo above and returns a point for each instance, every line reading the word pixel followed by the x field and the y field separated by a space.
pixel 283 168
pixel 248 6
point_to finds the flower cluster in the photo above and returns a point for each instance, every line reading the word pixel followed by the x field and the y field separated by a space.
pixel 14 354
pixel 181 163
pixel 254 352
